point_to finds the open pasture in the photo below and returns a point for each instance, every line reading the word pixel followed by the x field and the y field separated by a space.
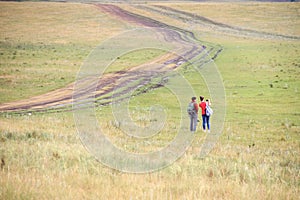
pixel 43 45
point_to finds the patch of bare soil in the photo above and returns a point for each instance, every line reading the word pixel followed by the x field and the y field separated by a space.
pixel 62 99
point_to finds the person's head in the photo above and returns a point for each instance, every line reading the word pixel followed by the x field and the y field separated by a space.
pixel 207 102
pixel 194 98
pixel 201 98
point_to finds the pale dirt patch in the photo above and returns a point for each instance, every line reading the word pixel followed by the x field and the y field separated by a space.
pixel 64 96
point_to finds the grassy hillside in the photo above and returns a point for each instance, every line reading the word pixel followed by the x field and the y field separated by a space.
pixel 43 45
pixel 276 18
pixel 257 157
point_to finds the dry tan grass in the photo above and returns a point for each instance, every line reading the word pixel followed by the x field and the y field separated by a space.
pixel 55 23
pixel 45 159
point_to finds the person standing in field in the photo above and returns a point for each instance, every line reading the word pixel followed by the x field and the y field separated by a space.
pixel 193 113
pixel 205 117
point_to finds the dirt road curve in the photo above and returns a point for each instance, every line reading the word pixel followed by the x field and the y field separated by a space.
pixel 62 99
pixel 201 21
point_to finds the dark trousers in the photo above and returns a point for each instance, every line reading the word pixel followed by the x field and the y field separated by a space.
pixel 205 121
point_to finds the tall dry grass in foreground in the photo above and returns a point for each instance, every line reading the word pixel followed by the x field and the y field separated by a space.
pixel 48 161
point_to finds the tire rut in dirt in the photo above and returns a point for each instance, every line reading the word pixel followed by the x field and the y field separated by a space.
pixel 206 22
pixel 62 99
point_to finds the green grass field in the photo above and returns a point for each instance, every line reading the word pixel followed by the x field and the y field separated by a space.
pixel 42 46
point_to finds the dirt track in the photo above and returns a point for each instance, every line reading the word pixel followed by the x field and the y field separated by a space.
pixel 213 25
pixel 62 99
